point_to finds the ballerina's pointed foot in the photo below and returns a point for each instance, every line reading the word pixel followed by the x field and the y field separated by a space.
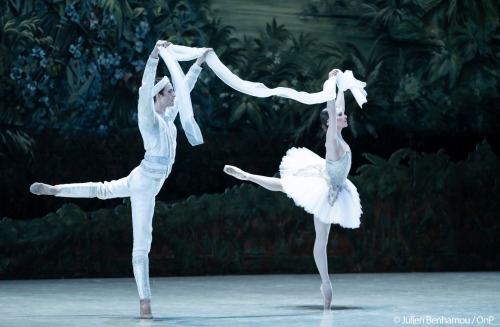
pixel 236 172
pixel 43 189
pixel 326 290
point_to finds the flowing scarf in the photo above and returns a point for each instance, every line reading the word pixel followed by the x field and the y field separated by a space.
pixel 175 53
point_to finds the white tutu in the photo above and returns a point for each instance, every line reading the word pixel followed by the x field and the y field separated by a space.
pixel 324 192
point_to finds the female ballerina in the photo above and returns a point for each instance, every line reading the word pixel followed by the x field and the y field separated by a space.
pixel 319 186
pixel 156 113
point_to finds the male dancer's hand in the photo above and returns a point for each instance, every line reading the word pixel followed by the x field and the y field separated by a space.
pixel 160 43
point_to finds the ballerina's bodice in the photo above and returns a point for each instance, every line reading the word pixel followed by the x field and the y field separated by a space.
pixel 337 172
pixel 339 169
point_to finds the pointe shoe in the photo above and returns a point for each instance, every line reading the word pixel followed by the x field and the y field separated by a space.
pixel 43 189
pixel 326 290
pixel 236 172
pixel 145 309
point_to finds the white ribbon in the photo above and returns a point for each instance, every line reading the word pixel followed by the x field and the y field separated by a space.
pixel 183 97
pixel 174 53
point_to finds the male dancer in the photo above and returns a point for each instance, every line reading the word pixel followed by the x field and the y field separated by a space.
pixel 157 110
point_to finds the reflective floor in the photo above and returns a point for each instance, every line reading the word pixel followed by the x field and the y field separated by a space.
pixel 425 299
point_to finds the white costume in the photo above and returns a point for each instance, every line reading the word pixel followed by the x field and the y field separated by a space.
pixel 159 135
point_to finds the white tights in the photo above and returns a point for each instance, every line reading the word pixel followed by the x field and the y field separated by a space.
pixel 319 251
pixel 322 229
pixel 270 183
pixel 142 191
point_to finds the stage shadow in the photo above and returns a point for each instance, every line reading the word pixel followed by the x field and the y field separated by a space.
pixel 333 307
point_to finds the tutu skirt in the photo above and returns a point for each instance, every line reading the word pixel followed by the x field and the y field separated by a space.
pixel 319 190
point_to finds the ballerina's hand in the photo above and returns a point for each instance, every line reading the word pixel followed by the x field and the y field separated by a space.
pixel 203 57
pixel 333 72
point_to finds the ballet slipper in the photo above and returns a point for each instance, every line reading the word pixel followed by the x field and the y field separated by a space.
pixel 236 172
pixel 326 290
pixel 145 309
pixel 43 189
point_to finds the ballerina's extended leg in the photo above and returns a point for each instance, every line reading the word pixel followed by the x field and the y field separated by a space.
pixel 270 183
pixel 236 172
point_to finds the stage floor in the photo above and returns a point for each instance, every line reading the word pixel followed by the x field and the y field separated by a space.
pixel 426 299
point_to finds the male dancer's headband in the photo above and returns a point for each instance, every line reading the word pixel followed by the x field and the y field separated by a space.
pixel 160 85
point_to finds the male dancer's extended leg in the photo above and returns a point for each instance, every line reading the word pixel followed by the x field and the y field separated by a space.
pixel 107 190
pixel 142 194
pixel 320 257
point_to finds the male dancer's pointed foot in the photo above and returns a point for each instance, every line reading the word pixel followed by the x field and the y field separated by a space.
pixel 43 189
pixel 326 290
pixel 145 309
pixel 236 172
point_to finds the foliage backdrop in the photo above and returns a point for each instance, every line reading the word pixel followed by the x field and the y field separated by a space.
pixel 69 74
